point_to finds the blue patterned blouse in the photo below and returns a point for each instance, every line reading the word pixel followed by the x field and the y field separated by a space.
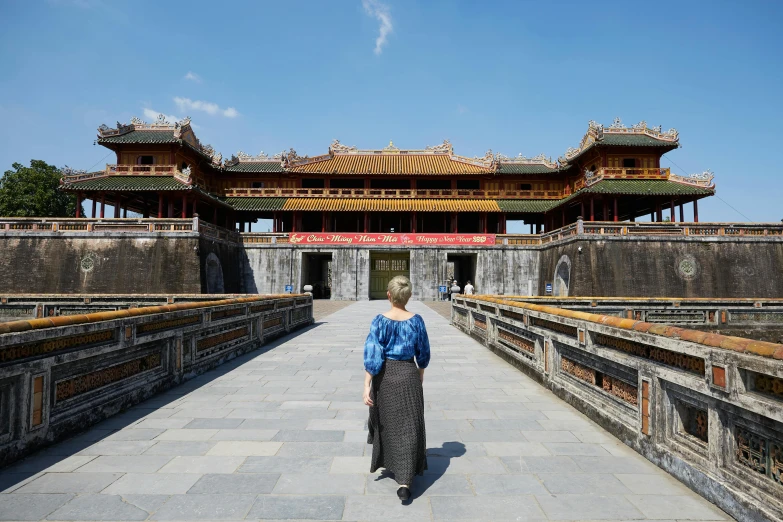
pixel 396 340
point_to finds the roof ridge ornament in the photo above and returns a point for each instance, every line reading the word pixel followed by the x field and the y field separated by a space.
pixel 338 147
pixel 596 131
pixel 136 123
pixel 520 159
pixel 390 147
pixel 444 147
pixel 700 179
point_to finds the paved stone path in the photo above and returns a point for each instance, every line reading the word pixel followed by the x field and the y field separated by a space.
pixel 280 434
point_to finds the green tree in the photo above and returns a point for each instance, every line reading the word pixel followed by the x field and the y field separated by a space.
pixel 34 192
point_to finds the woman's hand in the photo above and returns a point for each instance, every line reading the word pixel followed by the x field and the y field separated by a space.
pixel 367 399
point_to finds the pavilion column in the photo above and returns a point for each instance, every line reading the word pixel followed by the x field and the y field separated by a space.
pixel 94 204
pixel 293 222
pixel 323 222
pixel 616 217
pixel 563 217
pixel 659 212
pixel 241 226
pixel 160 205
pixel 503 217
pixel 454 225
pixel 78 204
pixel 274 222
pixel 484 219
pixel 103 203
pixel 414 218
pixel 671 208
pixel 366 222
pixel 170 209
pixel 682 213
pixel 531 228
pixel 184 206
pixel 117 207
pixel 125 211
pixel 592 208
pixel 695 211
pixel 605 215
pixel 195 206
pixel 582 208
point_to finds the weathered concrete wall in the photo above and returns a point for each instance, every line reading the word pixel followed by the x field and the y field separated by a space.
pixel 268 268
pixel 224 256
pixel 681 267
pixel 107 263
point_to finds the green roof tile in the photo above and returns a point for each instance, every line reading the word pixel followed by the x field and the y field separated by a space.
pixel 517 168
pixel 526 205
pixel 256 204
pixel 129 183
pixel 634 140
pixel 262 166
pixel 142 136
pixel 655 187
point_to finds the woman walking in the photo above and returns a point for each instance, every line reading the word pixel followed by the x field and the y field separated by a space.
pixel 393 388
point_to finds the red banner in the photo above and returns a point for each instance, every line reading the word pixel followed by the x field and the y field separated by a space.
pixel 358 238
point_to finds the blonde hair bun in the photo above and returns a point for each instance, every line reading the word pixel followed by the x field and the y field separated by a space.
pixel 400 290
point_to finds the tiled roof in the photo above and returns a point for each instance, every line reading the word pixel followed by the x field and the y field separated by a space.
pixel 635 140
pixel 142 136
pixel 256 204
pixel 646 186
pixel 392 205
pixel 390 164
pixel 522 168
pixel 262 166
pixel 526 205
pixel 129 183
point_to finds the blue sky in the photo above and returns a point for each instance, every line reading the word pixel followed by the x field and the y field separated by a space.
pixel 511 76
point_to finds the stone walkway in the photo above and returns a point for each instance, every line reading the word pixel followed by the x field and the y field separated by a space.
pixel 280 434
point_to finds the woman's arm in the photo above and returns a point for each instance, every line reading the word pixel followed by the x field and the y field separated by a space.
pixel 367 385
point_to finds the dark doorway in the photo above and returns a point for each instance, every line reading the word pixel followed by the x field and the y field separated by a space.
pixel 317 271
pixel 468 184
pixel 433 184
pixel 461 267
pixel 311 183
pixel 346 183
pixel 390 184
pixel 468 223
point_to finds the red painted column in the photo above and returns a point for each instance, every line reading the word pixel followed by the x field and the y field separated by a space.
pixel 504 223
pixel 170 213
pixel 616 217
pixel 605 215
pixel 484 219
pixel 695 211
pixel 323 222
pixel 366 222
pixel 682 214
pixel 414 223
pixel 116 207
pixel 672 217
pixel 293 222
pixel 160 205
pixel 78 204
pixel 582 208
pixel 562 217
pixel 592 208
pixel 455 225
pixel 94 204
pixel 184 206
pixel 103 203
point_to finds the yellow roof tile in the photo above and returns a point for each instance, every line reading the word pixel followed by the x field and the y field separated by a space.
pixel 390 164
pixel 391 205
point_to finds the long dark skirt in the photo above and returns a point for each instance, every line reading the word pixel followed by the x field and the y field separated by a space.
pixel 396 424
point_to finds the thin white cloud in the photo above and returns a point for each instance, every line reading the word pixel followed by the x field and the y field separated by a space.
pixel 188 105
pixel 152 115
pixel 193 77
pixel 380 12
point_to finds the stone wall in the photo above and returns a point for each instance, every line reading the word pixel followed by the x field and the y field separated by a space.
pixel 706 408
pixel 62 374
pixel 268 268
pixel 668 267
pixel 99 263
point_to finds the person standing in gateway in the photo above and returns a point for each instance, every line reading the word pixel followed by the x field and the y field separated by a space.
pixel 396 352
pixel 469 288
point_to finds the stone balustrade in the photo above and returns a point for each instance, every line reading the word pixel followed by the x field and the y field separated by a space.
pixel 60 374
pixel 705 407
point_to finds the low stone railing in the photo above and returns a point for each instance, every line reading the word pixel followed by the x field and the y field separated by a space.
pixel 370 193
pixel 59 375
pixel 33 225
pixel 707 408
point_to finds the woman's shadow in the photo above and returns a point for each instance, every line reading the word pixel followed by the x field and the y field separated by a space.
pixel 438 461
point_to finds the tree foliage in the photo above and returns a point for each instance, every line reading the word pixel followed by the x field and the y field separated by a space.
pixel 34 192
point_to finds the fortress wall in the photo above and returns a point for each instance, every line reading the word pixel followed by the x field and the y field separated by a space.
pixel 668 267
pixel 105 263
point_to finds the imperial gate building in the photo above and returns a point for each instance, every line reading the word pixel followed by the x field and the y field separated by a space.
pixel 347 220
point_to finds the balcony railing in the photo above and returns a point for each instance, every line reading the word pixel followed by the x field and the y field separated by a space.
pixel 131 170
pixel 391 193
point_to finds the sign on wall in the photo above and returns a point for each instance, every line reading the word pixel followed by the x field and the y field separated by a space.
pixel 289 288
pixel 548 289
pixel 333 238
pixel 443 289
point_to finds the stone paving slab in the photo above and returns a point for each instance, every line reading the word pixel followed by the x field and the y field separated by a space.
pixel 279 434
